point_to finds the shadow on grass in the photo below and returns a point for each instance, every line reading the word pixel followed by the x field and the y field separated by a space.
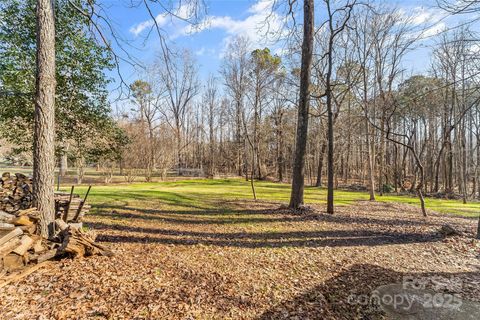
pixel 330 300
pixel 187 217
pixel 263 235
pixel 361 230
pixel 331 238
pixel 245 242
pixel 201 215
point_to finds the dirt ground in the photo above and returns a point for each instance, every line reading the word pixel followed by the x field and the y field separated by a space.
pixel 258 262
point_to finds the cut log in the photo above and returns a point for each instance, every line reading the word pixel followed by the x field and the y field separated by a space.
pixel 79 243
pixel 9 246
pixel 12 262
pixel 61 225
pixel 6 217
pixel 50 254
pixel 6 226
pixel 38 246
pixel 27 211
pixel 29 229
pixel 12 234
pixel 25 244
pixel 23 221
pixel 76 225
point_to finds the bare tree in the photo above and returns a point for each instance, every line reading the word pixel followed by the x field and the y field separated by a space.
pixel 210 101
pixel 179 76
pixel 234 72
pixel 148 96
pixel 460 6
pixel 334 29
pixel 363 45
pixel 279 114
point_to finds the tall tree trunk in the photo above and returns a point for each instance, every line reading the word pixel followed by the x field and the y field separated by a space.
pixel 463 166
pixel 63 165
pixel 370 162
pixel 330 162
pixel 449 168
pixel 478 228
pixel 44 134
pixel 279 144
pixel 151 153
pixel 80 164
pixel 321 156
pixel 212 143
pixel 179 147
pixel 238 136
pixel 298 183
pixel 64 162
pixel 381 153
pixel 252 176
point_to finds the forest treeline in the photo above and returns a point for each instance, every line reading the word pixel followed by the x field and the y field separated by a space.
pixel 391 130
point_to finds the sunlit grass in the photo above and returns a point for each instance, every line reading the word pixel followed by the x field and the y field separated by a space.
pixel 203 194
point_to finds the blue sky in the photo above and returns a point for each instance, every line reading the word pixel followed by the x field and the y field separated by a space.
pixel 228 18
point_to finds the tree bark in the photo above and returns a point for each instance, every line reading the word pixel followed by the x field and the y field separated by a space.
pixel 321 156
pixel 370 159
pixel 298 183
pixel 63 165
pixel 44 134
pixel 279 144
pixel 328 92
pixel 478 228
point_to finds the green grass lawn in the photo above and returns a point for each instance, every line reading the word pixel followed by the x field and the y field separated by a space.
pixel 208 194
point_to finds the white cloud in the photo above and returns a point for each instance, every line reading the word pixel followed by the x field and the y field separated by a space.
pixel 261 6
pixel 205 52
pixel 434 30
pixel 420 16
pixel 425 22
pixel 161 20
pixel 260 23
pixel 185 11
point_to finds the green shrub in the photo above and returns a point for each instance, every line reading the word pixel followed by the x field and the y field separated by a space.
pixel 388 188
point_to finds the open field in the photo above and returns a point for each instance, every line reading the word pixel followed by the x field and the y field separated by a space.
pixel 202 249
pixel 198 190
pixel 203 194
pixel 201 191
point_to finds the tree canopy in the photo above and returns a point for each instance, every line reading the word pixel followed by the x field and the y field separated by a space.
pixel 81 104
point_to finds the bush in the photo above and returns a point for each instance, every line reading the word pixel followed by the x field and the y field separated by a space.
pixel 388 188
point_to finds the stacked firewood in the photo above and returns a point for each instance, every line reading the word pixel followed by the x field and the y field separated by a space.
pixel 20 242
pixel 70 207
pixel 21 245
pixel 15 192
